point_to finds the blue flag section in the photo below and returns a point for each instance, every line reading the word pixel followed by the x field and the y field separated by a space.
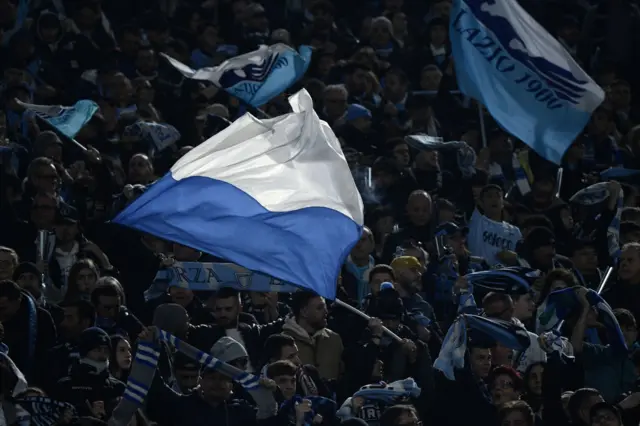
pixel 213 276
pixel 529 83
pixel 67 120
pixel 255 77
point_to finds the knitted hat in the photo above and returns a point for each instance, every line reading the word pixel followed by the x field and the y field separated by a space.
pixel 539 237
pixel 170 317
pixel 92 338
pixel 25 268
pixel 405 262
pixel 227 349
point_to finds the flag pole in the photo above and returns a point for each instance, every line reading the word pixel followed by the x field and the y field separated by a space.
pixel 65 137
pixel 361 314
pixel 601 287
pixel 559 181
pixel 483 131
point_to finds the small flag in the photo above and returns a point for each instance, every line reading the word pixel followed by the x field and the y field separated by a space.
pixel 67 120
pixel 255 77
pixel 529 83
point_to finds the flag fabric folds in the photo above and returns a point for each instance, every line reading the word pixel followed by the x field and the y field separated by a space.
pixel 274 196
pixel 255 77
pixel 529 83
pixel 67 120
pixel 454 346
pixel 561 304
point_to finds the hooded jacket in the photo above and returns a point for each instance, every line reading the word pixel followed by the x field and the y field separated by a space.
pixel 322 350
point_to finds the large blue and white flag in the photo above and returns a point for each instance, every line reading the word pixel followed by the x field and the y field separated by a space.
pixel 275 196
pixel 529 83
pixel 67 120
pixel 255 77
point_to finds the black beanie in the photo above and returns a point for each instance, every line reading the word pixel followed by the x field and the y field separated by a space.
pixel 539 237
pixel 25 268
pixel 92 338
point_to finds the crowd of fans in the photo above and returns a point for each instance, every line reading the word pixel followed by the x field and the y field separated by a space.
pixel 73 317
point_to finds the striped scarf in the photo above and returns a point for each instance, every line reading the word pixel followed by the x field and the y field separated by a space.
pixel 145 364
pixel 43 411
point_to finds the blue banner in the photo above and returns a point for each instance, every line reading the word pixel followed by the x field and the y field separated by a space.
pixel 199 276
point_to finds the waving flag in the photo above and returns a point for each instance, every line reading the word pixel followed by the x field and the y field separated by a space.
pixel 454 346
pixel 560 304
pixel 529 83
pixel 273 196
pixel 67 120
pixel 255 77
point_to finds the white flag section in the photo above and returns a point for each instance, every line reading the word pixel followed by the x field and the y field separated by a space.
pixel 275 196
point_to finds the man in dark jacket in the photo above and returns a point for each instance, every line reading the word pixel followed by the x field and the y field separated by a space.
pixel 90 387
pixel 112 315
pixel 79 315
pixel 29 331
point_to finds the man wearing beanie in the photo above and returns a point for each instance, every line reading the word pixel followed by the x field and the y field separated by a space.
pixel 89 387
pixel 408 273
pixel 29 278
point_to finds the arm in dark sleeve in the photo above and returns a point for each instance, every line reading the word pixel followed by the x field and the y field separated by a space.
pixel 552 385
pixel 47 335
pixel 359 361
pixel 161 400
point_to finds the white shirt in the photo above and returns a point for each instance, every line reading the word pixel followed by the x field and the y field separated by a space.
pixel 487 237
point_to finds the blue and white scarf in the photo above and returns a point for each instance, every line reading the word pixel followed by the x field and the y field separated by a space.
pixel 361 274
pixel 43 411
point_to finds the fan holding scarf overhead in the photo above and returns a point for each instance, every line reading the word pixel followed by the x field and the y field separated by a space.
pixel 463 364
pixel 598 208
